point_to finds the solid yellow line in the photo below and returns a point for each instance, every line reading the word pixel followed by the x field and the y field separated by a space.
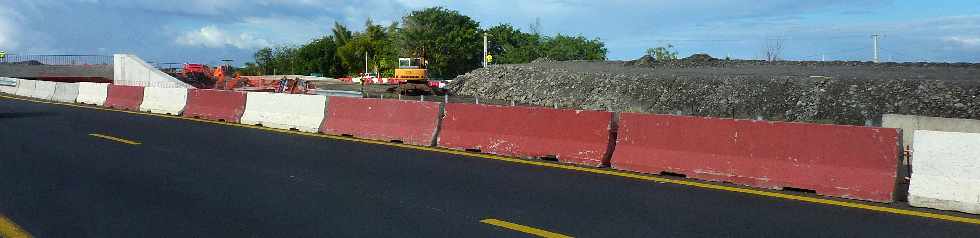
pixel 567 167
pixel 120 140
pixel 8 229
pixel 523 228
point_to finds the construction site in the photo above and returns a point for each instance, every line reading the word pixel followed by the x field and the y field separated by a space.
pixel 851 93
pixel 408 129
pixel 847 93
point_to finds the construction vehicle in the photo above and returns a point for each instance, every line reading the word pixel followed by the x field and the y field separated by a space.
pixel 225 77
pixel 413 77
pixel 197 75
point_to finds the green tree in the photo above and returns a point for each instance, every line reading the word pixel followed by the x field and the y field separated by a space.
pixel 250 69
pixel 662 53
pixel 319 56
pixel 340 33
pixel 284 61
pixel 450 41
pixel 263 60
pixel 509 45
pixel 563 47
pixel 376 42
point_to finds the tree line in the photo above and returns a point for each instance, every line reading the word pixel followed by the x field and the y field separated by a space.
pixel 451 42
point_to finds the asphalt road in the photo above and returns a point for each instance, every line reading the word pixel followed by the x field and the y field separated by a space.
pixel 196 179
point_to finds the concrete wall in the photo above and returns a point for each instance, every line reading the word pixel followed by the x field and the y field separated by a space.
pixel 8 85
pixel 43 71
pixel 92 93
pixel 130 70
pixel 946 171
pixel 909 124
pixel 164 100
pixel 66 92
pixel 25 88
pixel 43 90
pixel 285 111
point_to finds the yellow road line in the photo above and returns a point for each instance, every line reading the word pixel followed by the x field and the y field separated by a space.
pixel 523 228
pixel 116 139
pixel 8 229
pixel 815 200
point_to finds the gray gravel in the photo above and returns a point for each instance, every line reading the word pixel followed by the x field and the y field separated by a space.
pixel 854 93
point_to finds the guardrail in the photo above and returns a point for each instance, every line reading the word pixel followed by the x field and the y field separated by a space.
pixel 57 59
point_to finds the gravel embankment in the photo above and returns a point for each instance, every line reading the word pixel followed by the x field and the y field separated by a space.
pixel 827 92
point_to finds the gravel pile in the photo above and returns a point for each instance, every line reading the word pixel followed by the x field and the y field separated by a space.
pixel 826 92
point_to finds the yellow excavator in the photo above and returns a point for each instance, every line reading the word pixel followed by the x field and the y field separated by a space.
pixel 413 75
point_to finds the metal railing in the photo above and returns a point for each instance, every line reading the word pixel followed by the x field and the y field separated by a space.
pixel 57 59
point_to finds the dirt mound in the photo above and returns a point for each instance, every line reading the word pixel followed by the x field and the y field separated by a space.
pixel 700 58
pixel 830 92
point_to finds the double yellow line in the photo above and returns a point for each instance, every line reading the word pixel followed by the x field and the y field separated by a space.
pixel 645 177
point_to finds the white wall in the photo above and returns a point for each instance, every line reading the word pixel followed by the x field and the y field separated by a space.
pixel 6 87
pixel 66 92
pixel 92 93
pixel 946 171
pixel 164 100
pixel 285 111
pixel 132 71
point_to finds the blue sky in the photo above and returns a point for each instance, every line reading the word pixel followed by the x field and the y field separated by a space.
pixel 206 31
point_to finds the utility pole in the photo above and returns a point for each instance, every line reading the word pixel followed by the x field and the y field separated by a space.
pixel 484 50
pixel 365 75
pixel 876 37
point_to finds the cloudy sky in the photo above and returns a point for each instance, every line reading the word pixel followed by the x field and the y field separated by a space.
pixel 206 31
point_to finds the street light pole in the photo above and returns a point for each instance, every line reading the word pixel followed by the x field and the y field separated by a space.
pixel 875 37
pixel 484 50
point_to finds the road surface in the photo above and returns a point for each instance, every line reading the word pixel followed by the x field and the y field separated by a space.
pixel 80 172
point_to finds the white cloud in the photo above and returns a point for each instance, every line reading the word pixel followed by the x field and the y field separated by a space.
pixel 965 41
pixel 213 37
pixel 9 29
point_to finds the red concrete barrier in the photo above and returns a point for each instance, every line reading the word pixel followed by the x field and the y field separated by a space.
pixel 218 105
pixel 843 161
pixel 124 97
pixel 579 137
pixel 411 122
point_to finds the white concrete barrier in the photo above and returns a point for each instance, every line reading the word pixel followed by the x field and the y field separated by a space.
pixel 909 124
pixel 946 171
pixel 25 88
pixel 8 85
pixel 43 90
pixel 93 93
pixel 65 92
pixel 285 111
pixel 164 100
pixel 130 70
